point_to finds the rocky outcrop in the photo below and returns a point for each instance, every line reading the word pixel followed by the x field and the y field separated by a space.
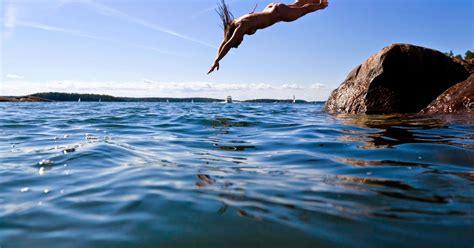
pixel 401 78
pixel 23 99
pixel 457 99
pixel 468 64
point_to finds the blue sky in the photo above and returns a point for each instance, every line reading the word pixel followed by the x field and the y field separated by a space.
pixel 165 47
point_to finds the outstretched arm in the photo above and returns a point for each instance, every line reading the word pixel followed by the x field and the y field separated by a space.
pixel 225 48
pixel 221 46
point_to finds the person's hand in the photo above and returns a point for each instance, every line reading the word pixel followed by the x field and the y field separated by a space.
pixel 213 68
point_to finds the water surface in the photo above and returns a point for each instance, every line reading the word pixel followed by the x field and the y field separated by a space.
pixel 231 175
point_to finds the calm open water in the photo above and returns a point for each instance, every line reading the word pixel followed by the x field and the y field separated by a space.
pixel 231 175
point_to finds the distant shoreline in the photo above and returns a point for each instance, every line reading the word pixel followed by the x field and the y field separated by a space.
pixel 75 97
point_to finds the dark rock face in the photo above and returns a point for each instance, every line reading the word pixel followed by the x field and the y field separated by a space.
pixel 468 64
pixel 457 99
pixel 400 79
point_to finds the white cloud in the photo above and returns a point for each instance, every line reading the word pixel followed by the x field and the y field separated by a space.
pixel 148 88
pixel 317 86
pixel 13 76
pixel 292 86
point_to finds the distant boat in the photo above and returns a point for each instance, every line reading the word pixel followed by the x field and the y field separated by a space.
pixel 229 99
pixel 100 99
pixel 294 99
pixel 192 101
pixel 79 100
pixel 167 100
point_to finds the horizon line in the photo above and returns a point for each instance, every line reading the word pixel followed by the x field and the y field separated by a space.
pixel 148 97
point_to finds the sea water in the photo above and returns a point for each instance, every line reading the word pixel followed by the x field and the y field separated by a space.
pixel 232 175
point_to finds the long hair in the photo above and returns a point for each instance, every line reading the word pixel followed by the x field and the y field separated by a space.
pixel 227 19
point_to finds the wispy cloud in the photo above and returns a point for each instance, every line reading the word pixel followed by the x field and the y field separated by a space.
pixel 11 21
pixel 10 18
pixel 13 76
pixel 49 28
pixel 207 10
pixel 62 3
pixel 109 11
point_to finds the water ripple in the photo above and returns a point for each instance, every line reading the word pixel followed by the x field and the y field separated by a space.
pixel 146 174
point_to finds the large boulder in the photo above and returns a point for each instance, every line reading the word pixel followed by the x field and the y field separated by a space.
pixel 457 99
pixel 401 78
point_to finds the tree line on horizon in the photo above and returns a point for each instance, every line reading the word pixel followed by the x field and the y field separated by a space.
pixel 468 55
pixel 74 97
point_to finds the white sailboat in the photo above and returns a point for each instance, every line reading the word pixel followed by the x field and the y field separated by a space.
pixel 79 100
pixel 294 99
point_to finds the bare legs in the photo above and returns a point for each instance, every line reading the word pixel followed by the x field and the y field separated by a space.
pixel 300 3
pixel 289 13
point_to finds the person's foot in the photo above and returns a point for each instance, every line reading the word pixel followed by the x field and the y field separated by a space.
pixel 324 3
